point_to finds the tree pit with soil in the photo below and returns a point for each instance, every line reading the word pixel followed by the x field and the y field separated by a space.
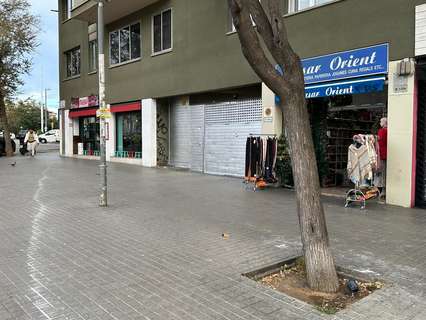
pixel 289 277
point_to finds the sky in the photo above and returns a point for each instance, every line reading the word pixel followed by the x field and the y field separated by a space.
pixel 45 70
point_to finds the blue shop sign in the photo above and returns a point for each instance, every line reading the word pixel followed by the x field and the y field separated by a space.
pixel 348 64
pixel 357 86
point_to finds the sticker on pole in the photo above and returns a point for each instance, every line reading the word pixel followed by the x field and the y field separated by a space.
pixel 103 113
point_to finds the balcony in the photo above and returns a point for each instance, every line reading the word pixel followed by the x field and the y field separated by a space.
pixel 86 10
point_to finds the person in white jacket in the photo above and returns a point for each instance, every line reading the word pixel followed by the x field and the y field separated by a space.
pixel 31 139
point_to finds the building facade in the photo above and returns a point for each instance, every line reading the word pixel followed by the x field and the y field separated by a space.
pixel 182 94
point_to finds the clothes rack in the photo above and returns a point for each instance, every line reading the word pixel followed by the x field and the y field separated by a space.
pixel 261 155
pixel 362 163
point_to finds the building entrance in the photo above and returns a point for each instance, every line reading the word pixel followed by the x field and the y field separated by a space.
pixel 335 121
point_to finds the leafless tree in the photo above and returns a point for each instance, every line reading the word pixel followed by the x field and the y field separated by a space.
pixel 264 42
pixel 18 39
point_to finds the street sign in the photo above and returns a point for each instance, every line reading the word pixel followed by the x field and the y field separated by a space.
pixel 103 113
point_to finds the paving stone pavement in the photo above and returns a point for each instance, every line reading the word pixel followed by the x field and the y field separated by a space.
pixel 157 251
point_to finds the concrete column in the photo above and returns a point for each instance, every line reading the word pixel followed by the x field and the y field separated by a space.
pixel 149 132
pixel 69 133
pixel 271 115
pixel 402 124
pixel 62 133
pixel 111 138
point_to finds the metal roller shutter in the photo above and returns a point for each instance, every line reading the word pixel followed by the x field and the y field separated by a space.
pixel 227 127
pixel 180 136
pixel 197 138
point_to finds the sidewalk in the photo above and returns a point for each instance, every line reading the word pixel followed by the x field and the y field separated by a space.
pixel 157 251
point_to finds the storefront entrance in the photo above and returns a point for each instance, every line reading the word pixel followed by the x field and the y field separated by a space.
pixel 334 122
pixel 89 134
pixel 129 134
pixel 421 136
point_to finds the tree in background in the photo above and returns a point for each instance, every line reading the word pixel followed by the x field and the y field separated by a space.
pixel 23 114
pixel 18 39
pixel 265 45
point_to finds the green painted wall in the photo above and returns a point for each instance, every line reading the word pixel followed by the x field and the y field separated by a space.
pixel 349 24
pixel 206 58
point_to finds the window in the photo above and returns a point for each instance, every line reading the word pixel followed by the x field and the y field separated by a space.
pixel 93 55
pixel 129 132
pixel 299 5
pixel 162 31
pixel 231 26
pixel 66 9
pixel 73 62
pixel 125 44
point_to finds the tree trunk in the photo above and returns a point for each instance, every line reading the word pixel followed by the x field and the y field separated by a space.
pixel 320 268
pixel 5 125
pixel 287 81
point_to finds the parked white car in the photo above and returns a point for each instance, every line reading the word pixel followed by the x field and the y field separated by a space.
pixel 12 135
pixel 49 137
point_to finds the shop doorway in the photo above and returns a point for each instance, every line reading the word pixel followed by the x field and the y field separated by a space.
pixel 334 122
pixel 89 134
pixel 421 135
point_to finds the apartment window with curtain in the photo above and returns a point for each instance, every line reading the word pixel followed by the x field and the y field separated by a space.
pixel 93 48
pixel 73 62
pixel 93 55
pixel 66 9
pixel 299 5
pixel 231 26
pixel 125 44
pixel 162 37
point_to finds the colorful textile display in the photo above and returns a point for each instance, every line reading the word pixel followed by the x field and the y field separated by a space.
pixel 261 155
pixel 362 158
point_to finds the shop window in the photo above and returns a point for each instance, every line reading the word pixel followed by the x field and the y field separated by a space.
pixel 162 37
pixel 299 5
pixel 73 62
pixel 125 44
pixel 89 134
pixel 129 134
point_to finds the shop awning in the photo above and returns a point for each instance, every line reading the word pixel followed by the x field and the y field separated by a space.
pixel 86 112
pixel 353 86
pixel 126 107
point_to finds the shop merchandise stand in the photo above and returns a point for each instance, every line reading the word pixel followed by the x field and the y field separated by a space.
pixel 355 195
pixel 251 183
pixel 358 196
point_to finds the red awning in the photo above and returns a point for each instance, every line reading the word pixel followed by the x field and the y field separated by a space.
pixel 82 113
pixel 126 107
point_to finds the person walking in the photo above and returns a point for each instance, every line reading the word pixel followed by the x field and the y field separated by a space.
pixel 31 139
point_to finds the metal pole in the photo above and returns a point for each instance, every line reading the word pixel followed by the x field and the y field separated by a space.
pixel 42 113
pixel 103 199
pixel 46 114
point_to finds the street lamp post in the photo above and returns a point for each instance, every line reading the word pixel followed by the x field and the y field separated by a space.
pixel 46 118
pixel 41 114
pixel 103 198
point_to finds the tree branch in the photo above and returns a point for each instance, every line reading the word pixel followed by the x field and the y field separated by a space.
pixel 273 31
pixel 253 50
